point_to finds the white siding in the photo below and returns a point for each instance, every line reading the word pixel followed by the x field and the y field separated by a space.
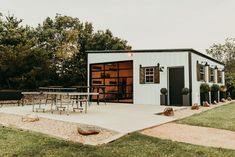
pixel 150 93
pixel 146 93
pixel 196 84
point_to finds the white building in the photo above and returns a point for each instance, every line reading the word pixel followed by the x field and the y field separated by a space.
pixel 137 76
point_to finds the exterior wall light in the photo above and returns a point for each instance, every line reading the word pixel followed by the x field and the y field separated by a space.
pixel 130 54
pixel 214 66
pixel 205 63
pixel 160 68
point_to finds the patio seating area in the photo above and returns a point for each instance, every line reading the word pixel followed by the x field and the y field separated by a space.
pixel 123 118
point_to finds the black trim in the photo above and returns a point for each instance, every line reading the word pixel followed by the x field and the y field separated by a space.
pixel 156 50
pixel 190 76
pixel 169 83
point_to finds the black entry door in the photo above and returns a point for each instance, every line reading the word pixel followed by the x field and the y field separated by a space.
pixel 176 83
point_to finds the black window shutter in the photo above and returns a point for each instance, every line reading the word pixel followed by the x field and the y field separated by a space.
pixel 142 75
pixel 156 75
pixel 209 74
pixel 198 72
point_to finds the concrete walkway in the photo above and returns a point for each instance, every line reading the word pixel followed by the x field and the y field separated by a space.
pixel 194 135
pixel 123 118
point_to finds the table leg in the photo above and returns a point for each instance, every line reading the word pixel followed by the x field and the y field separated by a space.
pixel 69 103
pixel 98 99
pixel 86 104
pixel 33 104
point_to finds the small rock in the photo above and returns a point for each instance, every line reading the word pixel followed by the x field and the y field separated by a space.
pixel 30 118
pixel 206 104
pixel 87 132
pixel 223 100
pixel 195 106
pixel 214 102
pixel 168 111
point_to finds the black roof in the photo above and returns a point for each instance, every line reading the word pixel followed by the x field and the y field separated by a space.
pixel 156 50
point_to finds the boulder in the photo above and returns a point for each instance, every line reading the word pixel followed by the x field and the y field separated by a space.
pixel 168 111
pixel 229 99
pixel 206 104
pixel 195 106
pixel 87 132
pixel 214 102
pixel 223 100
pixel 30 118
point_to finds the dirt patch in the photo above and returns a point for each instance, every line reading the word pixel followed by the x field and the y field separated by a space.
pixel 194 135
pixel 55 128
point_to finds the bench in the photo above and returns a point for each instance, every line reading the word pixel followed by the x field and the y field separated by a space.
pixel 10 97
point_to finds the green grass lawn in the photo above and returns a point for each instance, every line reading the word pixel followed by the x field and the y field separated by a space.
pixel 222 117
pixel 22 143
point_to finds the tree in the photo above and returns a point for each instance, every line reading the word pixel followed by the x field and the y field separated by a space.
pixel 53 53
pixel 226 53
pixel 68 39
pixel 21 61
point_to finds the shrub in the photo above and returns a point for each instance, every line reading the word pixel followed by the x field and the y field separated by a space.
pixel 185 91
pixel 215 88
pixel 163 91
pixel 204 88
pixel 223 88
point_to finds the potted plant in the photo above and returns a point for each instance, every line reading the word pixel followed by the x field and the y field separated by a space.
pixel 163 96
pixel 185 93
pixel 214 93
pixel 222 93
pixel 204 93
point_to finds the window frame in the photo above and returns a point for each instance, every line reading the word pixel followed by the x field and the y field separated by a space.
pixel 212 75
pixel 202 73
pixel 219 80
pixel 149 75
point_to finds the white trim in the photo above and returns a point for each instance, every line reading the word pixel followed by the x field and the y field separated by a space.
pixel 149 75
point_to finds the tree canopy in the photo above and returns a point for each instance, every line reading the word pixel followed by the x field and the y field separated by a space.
pixel 53 53
pixel 225 52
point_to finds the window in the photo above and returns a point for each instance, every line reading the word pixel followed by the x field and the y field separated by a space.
pixel 219 73
pixel 202 73
pixel 211 74
pixel 149 75
pixel 116 77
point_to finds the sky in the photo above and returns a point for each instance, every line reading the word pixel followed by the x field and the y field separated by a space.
pixel 145 24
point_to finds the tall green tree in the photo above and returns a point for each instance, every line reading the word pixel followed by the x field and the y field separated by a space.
pixel 53 53
pixel 67 39
pixel 21 61
pixel 225 52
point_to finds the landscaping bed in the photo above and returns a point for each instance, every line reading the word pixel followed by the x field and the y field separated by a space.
pixel 59 129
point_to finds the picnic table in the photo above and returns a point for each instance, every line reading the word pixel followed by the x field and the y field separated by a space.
pixel 92 89
pixel 77 96
pixel 57 88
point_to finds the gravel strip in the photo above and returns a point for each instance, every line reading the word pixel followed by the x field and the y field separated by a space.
pixel 60 129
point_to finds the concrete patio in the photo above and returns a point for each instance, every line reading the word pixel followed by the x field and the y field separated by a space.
pixel 123 118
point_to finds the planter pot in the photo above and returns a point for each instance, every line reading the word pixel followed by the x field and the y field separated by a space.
pixel 163 99
pixel 204 97
pixel 186 100
pixel 214 96
pixel 222 95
